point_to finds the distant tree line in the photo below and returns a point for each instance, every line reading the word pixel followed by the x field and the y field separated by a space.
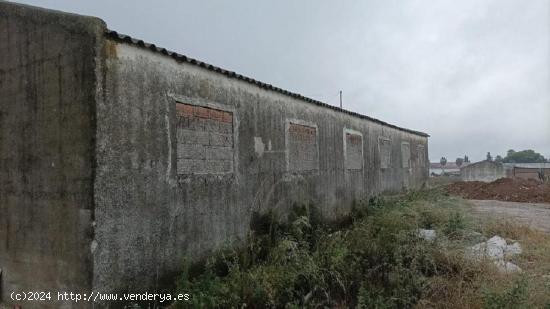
pixel 458 161
pixel 512 156
pixel 524 156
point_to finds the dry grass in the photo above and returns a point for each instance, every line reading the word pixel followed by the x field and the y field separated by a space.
pixel 477 285
pixel 378 261
pixel 535 259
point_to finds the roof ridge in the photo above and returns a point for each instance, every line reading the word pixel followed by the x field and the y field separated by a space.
pixel 182 58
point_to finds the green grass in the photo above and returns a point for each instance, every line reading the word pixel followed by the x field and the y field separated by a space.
pixel 373 259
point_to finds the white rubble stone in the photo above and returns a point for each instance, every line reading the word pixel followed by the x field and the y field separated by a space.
pixel 507 267
pixel 496 249
pixel 492 248
pixel 513 249
pixel 426 234
pixel 496 242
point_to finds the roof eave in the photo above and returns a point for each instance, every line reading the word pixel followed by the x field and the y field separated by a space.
pixel 182 58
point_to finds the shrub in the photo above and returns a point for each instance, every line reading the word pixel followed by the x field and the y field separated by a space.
pixel 372 259
pixel 455 225
pixel 513 297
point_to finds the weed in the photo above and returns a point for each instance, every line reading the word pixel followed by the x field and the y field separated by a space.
pixel 455 225
pixel 371 259
pixel 513 297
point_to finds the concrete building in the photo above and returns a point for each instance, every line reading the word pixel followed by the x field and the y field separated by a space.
pixel 482 171
pixel 527 170
pixel 118 159
pixel 450 168
pixel 489 171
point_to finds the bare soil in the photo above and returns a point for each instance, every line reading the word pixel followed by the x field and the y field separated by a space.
pixel 533 215
pixel 504 189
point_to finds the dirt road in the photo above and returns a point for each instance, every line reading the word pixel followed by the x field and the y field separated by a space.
pixel 535 215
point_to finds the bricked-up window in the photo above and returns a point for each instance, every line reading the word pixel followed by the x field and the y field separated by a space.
pixel 405 155
pixel 204 139
pixel 421 154
pixel 353 151
pixel 384 149
pixel 302 148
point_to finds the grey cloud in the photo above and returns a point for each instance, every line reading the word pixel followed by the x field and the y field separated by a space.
pixel 474 74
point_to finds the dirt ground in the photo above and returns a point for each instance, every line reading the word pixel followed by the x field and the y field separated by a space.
pixel 504 189
pixel 533 215
pixel 442 181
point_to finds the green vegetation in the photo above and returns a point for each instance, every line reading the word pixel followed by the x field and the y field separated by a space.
pixel 524 156
pixel 371 259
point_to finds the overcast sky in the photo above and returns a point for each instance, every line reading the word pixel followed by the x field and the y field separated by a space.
pixel 474 74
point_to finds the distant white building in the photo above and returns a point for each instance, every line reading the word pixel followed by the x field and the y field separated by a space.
pixel 451 168
pixel 490 171
pixel 527 170
pixel 483 171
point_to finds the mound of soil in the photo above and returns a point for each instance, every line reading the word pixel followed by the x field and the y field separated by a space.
pixel 504 189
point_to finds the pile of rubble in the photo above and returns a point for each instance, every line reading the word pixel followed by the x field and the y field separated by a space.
pixel 504 189
pixel 496 249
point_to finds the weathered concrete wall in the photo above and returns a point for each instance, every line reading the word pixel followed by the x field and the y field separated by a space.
pixel 117 162
pixel 47 90
pixel 529 173
pixel 483 171
pixel 176 180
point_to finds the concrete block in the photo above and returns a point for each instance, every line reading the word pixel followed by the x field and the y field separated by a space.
pixel 202 137
pixel 192 151
pixel 211 125
pixel 196 124
pixel 225 128
pixel 182 122
pixel 354 151
pixel 185 166
pixel 228 166
pixel 219 153
pixel 185 136
pixel 225 140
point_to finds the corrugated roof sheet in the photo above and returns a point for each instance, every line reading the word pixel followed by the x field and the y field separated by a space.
pixel 182 58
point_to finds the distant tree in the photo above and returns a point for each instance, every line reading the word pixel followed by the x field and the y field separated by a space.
pixel 498 159
pixel 443 162
pixel 524 156
pixel 466 159
pixel 459 162
pixel 489 157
